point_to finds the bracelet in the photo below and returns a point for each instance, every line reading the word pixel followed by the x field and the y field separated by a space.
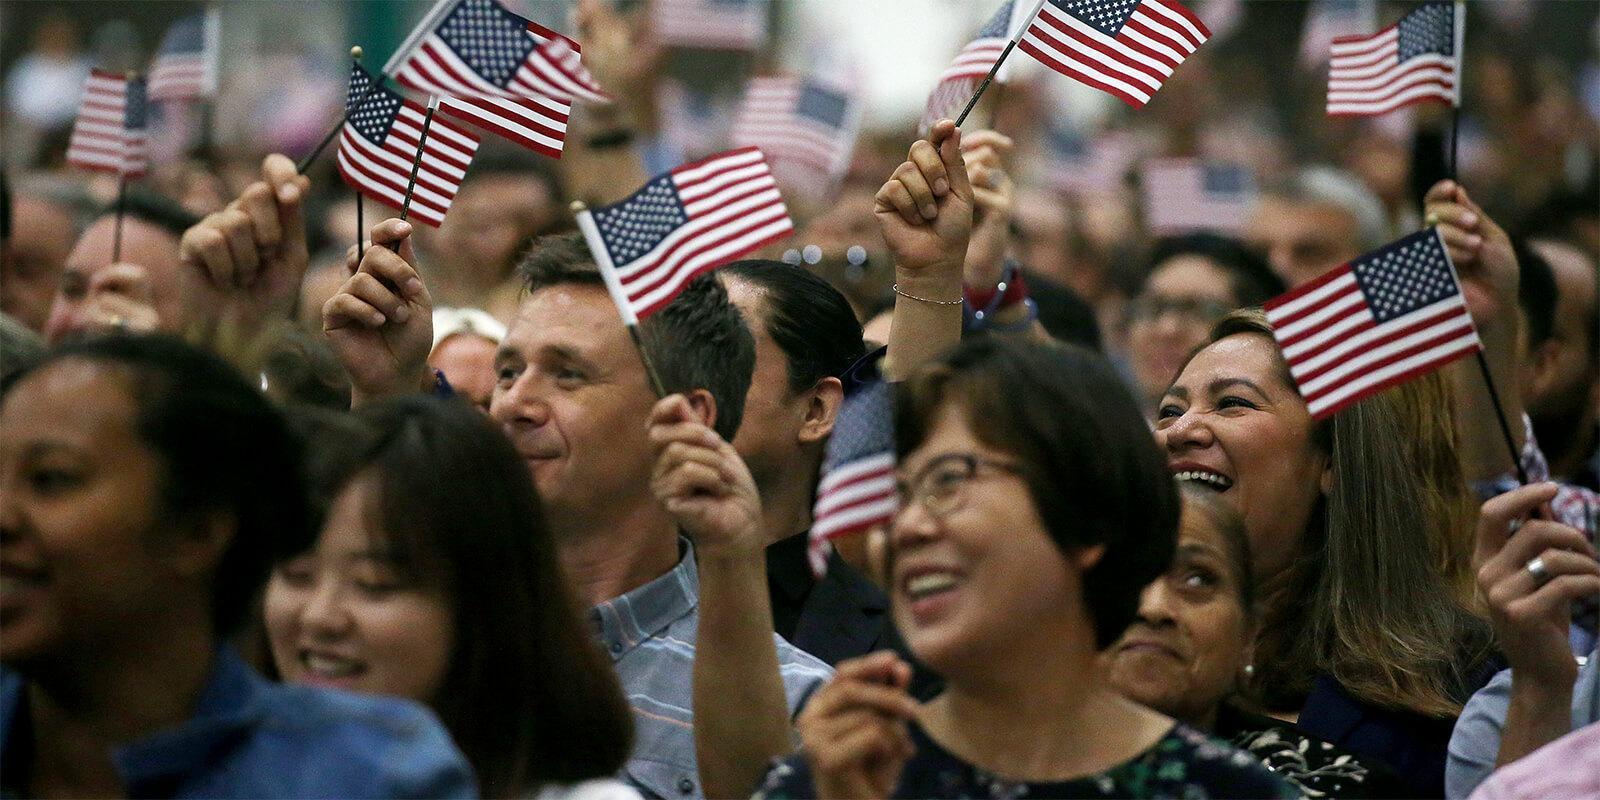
pixel 954 302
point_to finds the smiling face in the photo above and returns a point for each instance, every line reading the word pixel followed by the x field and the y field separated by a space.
pixel 572 395
pixel 983 581
pixel 1231 422
pixel 1188 646
pixel 344 615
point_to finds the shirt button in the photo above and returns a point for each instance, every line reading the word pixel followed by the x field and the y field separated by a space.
pixel 685 785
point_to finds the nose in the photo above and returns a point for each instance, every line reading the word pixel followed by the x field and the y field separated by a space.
pixel 912 525
pixel 325 615
pixel 1155 605
pixel 522 404
pixel 1186 432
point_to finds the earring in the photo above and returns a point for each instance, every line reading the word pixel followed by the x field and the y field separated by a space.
pixel 1249 671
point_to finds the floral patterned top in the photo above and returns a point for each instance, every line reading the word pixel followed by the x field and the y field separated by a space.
pixel 1184 765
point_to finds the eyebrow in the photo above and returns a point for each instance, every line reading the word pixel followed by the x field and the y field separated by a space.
pixel 1220 384
pixel 1178 392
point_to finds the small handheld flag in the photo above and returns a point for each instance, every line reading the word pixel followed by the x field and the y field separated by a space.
pixel 1077 163
pixel 109 134
pixel 1417 59
pixel 1183 195
pixel 857 490
pixel 959 82
pixel 1126 48
pixel 186 63
pixel 710 24
pixel 1378 321
pixel 686 222
pixel 379 147
pixel 807 128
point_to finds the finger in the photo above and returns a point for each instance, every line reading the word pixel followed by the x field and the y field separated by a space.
pixel 930 166
pixel 261 207
pixel 1554 598
pixel 692 433
pixel 352 257
pixel 375 293
pixel 691 480
pixel 879 698
pixel 854 749
pixel 671 410
pixel 677 454
pixel 1455 215
pixel 916 185
pixel 1463 245
pixel 387 266
pixel 288 186
pixel 955 166
pixel 1442 192
pixel 879 667
pixel 1496 514
pixel 391 232
pixel 1523 582
pixel 206 247
pixel 893 196
pixel 345 310
pixel 240 234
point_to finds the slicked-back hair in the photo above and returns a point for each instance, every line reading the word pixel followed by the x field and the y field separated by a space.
pixel 1251 280
pixel 1093 470
pixel 809 320
pixel 698 341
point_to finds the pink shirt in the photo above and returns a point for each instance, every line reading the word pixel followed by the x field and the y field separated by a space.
pixel 1568 767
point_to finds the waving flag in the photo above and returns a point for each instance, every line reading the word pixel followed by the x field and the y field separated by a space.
pixel 805 126
pixel 691 220
pixel 1126 48
pixel 1329 20
pixel 857 490
pixel 497 70
pixel 1378 321
pixel 1076 163
pixel 1182 195
pixel 970 66
pixel 109 134
pixel 1415 60
pixel 186 64
pixel 379 144
pixel 710 24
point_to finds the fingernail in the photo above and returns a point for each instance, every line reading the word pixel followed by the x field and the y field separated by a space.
pixel 941 186
pixel 288 193
pixel 930 211
pixel 414 287
pixel 378 319
pixel 404 229
pixel 1474 240
pixel 402 314
pixel 1469 218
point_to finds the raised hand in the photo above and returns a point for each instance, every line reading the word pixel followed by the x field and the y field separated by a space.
pixel 703 483
pixel 380 324
pixel 925 209
pixel 854 730
pixel 245 263
pixel 1482 254
pixel 994 193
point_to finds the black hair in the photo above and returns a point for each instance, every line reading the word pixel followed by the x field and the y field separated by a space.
pixel 155 209
pixel 1250 278
pixel 528 696
pixel 1536 293
pixel 697 341
pixel 223 449
pixel 809 320
pixel 1093 469
pixel 1064 313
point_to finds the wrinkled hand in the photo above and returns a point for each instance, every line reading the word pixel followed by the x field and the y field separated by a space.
pixel 120 299
pixel 703 483
pixel 854 731
pixel 1531 618
pixel 1482 254
pixel 246 261
pixel 925 209
pixel 995 195
pixel 380 324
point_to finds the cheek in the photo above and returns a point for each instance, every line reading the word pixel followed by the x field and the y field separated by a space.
pixel 408 640
pixel 1217 634
pixel 281 609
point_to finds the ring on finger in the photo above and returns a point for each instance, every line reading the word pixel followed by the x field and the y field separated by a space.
pixel 1431 220
pixel 1537 569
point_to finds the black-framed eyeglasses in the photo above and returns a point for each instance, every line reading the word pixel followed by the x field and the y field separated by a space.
pixel 942 485
pixel 1148 308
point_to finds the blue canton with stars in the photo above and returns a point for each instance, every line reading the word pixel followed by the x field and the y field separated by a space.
pixel 999 24
pixel 823 105
pixel 1226 179
pixel 493 41
pixel 136 107
pixel 1067 144
pixel 1429 29
pixel 375 116
pixel 1105 16
pixel 865 426
pixel 636 225
pixel 187 35
pixel 1405 276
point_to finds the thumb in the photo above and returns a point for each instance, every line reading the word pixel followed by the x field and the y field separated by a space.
pixel 1494 521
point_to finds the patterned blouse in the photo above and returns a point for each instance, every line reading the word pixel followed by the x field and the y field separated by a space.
pixel 1183 765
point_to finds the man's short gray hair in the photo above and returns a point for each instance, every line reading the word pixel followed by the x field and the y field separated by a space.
pixel 1336 187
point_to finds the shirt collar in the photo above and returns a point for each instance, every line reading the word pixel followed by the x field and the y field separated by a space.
pixel 622 623
pixel 787 567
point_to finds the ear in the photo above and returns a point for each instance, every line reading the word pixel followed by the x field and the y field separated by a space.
pixel 197 548
pixel 822 410
pixel 1325 481
pixel 1544 357
pixel 704 406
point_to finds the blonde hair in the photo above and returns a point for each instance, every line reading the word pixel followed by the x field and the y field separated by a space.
pixel 1370 606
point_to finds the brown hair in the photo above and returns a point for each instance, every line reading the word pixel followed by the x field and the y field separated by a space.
pixel 1370 606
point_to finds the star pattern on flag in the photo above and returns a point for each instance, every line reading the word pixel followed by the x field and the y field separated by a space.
pixel 137 106
pixel 823 105
pixel 187 35
pixel 375 116
pixel 1429 29
pixel 865 426
pixel 999 24
pixel 1401 279
pixel 1105 16
pixel 494 42
pixel 635 226
pixel 1226 179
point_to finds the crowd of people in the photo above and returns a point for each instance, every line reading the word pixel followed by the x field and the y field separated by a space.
pixel 284 513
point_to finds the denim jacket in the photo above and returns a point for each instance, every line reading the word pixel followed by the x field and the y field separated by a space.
pixel 253 738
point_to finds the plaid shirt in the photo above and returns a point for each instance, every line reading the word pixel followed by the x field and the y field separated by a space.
pixel 650 634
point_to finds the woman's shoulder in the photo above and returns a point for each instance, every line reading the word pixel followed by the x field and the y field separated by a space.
pixel 1188 763
pixel 1317 766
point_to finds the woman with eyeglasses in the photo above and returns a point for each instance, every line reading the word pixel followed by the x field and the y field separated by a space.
pixel 1034 511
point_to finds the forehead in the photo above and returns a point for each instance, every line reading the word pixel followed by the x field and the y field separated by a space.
pixel 71 399
pixel 142 243
pixel 1189 275
pixel 1251 356
pixel 573 317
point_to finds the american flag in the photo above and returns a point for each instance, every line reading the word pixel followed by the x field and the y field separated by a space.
pixel 186 64
pixel 693 219
pixel 807 128
pixel 379 144
pixel 971 65
pixel 1378 321
pixel 857 491
pixel 1329 20
pixel 1415 60
pixel 1078 163
pixel 497 70
pixel 109 134
pixel 710 24
pixel 1184 194
pixel 1126 48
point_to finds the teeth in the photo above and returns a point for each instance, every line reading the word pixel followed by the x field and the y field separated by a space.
pixel 1212 479
pixel 330 667
pixel 929 583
